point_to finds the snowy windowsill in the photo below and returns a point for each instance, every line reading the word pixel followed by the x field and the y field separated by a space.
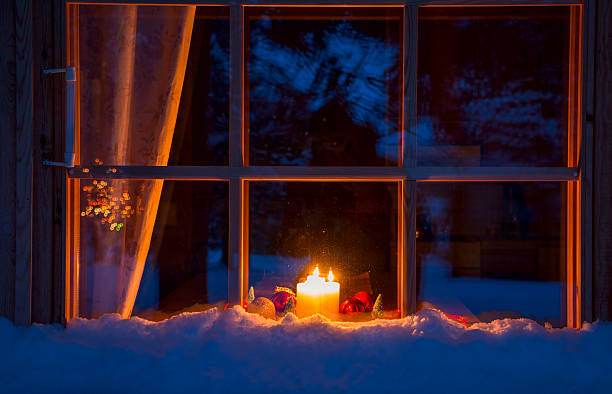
pixel 234 351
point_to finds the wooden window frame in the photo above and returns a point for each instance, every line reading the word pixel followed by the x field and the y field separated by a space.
pixel 577 175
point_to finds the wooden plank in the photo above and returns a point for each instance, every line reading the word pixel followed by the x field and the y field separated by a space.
pixel 237 159
pixel 42 149
pixel 586 226
pixel 407 268
pixel 71 217
pixel 23 193
pixel 244 242
pixel 410 86
pixel 572 278
pixel 7 159
pixel 235 267
pixel 494 174
pixel 248 2
pixel 491 2
pixel 603 164
pixel 588 62
pixel 211 173
pixel 264 173
pixel 71 277
pixel 287 173
pixel 573 269
pixel 586 161
pixel 59 174
pixel 237 156
pixel 336 2
pixel 406 286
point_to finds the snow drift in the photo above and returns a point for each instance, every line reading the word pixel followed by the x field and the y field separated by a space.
pixel 234 351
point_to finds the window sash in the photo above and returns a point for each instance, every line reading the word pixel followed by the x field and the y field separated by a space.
pixel 238 173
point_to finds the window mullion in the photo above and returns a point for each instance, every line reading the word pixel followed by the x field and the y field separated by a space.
pixel 407 190
pixel 291 173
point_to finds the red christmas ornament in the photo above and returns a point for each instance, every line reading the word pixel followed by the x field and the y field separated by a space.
pixel 366 300
pixel 281 298
pixel 352 305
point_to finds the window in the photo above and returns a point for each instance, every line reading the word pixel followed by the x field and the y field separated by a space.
pixel 426 154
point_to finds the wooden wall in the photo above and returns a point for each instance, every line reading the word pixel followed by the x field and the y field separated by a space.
pixel 7 159
pixel 32 217
pixel 31 209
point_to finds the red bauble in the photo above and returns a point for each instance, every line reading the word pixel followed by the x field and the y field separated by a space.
pixel 281 297
pixel 365 299
pixel 352 305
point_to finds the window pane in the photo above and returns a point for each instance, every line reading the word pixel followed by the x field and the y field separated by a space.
pixel 201 136
pixel 493 86
pixel 323 85
pixel 157 246
pixel 153 84
pixel 348 227
pixel 491 250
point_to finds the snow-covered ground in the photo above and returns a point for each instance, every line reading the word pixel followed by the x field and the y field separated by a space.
pixel 233 351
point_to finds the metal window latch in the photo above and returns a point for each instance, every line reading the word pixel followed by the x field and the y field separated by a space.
pixel 70 73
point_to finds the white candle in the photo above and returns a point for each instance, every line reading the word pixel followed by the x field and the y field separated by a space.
pixel 331 297
pixel 318 296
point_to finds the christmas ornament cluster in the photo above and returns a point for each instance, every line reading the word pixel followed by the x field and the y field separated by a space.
pixel 362 302
pixel 284 301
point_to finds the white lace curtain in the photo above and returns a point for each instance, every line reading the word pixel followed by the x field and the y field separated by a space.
pixel 131 61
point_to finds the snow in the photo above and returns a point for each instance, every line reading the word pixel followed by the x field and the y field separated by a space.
pixel 233 351
pixel 481 297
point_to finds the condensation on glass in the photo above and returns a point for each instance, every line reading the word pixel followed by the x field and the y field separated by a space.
pixel 348 227
pixel 153 80
pixel 151 260
pixel 493 86
pixel 492 250
pixel 323 85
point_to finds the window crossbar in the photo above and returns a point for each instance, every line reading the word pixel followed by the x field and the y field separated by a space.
pixel 337 174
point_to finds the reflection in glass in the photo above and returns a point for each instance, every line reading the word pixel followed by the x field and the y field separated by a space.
pixel 323 85
pixel 493 86
pixel 152 262
pixel 348 227
pixel 491 250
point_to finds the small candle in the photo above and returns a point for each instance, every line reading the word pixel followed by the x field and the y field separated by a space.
pixel 331 297
pixel 315 295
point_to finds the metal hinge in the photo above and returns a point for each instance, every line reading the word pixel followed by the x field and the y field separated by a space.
pixel 70 115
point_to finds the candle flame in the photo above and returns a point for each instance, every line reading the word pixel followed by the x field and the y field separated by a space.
pixel 316 271
pixel 330 277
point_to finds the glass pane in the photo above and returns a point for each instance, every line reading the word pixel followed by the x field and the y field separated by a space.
pixel 201 136
pixel 350 228
pixel 153 84
pixel 151 248
pixel 491 250
pixel 324 85
pixel 493 86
